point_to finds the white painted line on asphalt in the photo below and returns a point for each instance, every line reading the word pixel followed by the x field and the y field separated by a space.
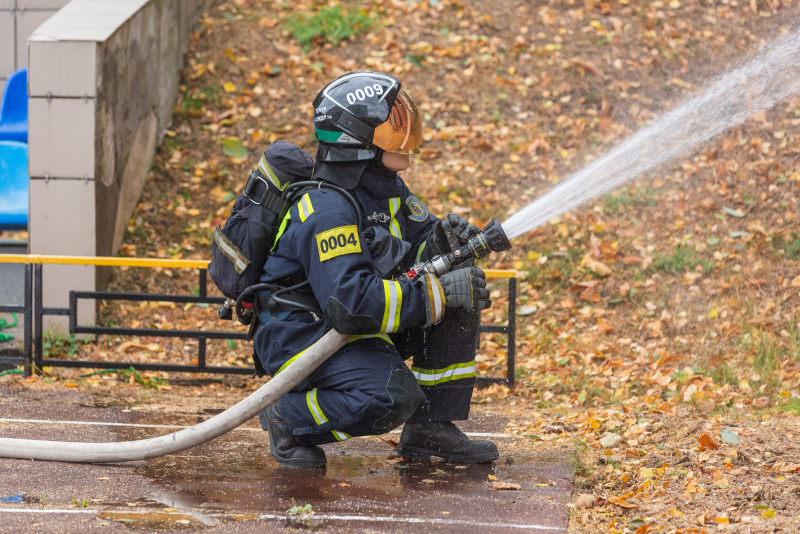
pixel 179 427
pixel 44 511
pixel 421 520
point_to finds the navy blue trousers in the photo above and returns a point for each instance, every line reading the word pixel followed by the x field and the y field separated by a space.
pixel 367 389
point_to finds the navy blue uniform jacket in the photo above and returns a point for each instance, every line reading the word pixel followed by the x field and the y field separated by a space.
pixel 321 239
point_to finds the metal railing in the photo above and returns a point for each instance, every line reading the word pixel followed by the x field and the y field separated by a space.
pixel 34 311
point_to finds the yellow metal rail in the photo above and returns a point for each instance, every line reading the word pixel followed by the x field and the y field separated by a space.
pixel 100 260
pixel 153 262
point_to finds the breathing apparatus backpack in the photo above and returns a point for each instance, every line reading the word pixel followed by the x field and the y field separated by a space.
pixel 239 250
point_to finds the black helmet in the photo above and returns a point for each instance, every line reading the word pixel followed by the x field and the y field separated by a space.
pixel 361 112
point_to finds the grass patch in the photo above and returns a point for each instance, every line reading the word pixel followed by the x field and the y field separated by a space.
pixel 793 406
pixel 580 460
pixel 790 246
pixel 328 24
pixel 55 345
pixel 723 374
pixel 682 259
pixel 636 197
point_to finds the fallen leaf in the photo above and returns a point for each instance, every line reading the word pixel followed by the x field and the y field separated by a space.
pixel 604 326
pixel 729 436
pixel 500 485
pixel 707 442
pixel 233 147
pixel 786 467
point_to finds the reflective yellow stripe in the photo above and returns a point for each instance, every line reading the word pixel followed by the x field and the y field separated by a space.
pixel 367 336
pixel 281 229
pixel 430 377
pixel 394 226
pixel 393 301
pixel 305 208
pixel 289 361
pixel 266 171
pixel 436 297
pixel 230 251
pixel 419 252
pixel 341 436
pixel 313 407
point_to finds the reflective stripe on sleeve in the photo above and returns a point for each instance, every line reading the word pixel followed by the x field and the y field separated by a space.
pixel 394 209
pixel 313 407
pixel 419 252
pixel 431 377
pixel 304 208
pixel 393 300
pixel 435 298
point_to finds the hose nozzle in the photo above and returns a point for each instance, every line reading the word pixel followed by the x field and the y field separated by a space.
pixel 497 238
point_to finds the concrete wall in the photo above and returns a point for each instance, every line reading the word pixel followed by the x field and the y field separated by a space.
pixel 103 77
pixel 18 20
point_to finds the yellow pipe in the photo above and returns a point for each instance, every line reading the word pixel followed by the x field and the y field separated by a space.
pixel 153 262
pixel 110 261
pixel 500 273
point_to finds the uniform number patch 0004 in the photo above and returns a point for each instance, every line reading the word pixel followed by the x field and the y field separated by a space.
pixel 337 242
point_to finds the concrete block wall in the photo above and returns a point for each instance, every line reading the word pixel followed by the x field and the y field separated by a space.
pixel 102 80
pixel 18 20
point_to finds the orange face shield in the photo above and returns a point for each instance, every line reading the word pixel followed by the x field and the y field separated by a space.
pixel 402 131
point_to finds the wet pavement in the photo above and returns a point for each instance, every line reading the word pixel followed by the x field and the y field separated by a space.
pixel 232 484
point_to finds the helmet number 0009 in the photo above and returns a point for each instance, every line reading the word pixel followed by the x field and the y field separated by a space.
pixel 368 91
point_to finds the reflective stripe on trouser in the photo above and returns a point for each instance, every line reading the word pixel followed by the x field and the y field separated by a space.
pixel 364 389
pixel 443 364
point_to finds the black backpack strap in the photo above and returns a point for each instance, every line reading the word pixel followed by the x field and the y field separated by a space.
pixel 257 190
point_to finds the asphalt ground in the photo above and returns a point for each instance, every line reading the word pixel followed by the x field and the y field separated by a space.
pixel 232 484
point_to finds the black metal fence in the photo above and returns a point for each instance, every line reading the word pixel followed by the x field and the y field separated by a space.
pixel 34 311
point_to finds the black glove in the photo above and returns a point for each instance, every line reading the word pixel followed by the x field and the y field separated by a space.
pixel 387 251
pixel 465 288
pixel 459 228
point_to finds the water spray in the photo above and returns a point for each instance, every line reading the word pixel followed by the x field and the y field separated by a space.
pixel 765 79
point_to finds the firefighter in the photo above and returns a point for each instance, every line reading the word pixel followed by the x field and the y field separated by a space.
pixel 367 125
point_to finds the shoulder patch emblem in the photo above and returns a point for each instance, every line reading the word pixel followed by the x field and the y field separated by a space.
pixel 338 242
pixel 417 211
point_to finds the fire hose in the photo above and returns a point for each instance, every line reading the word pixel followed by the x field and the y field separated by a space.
pixel 491 239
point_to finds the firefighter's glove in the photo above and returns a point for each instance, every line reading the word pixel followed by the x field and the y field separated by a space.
pixel 457 226
pixel 466 288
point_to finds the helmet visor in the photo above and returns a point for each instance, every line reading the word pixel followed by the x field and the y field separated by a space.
pixel 402 131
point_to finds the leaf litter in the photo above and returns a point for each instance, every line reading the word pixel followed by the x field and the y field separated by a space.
pixel 659 324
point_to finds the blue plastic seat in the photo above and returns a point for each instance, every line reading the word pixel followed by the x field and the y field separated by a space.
pixel 13 185
pixel 14 110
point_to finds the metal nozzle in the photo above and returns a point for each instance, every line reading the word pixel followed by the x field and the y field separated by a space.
pixel 496 237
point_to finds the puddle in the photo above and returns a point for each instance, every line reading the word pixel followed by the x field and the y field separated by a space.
pixel 152 521
pixel 234 477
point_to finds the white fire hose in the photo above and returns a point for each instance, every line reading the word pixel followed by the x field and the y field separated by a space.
pixel 127 451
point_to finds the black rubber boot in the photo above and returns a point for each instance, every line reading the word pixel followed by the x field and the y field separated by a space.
pixel 284 448
pixel 445 440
